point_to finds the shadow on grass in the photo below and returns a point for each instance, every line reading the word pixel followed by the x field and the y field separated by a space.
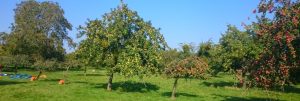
pixel 288 89
pixel 292 89
pixel 218 84
pixel 234 98
pixel 50 80
pixel 90 75
pixel 130 86
pixel 80 82
pixel 10 83
pixel 168 94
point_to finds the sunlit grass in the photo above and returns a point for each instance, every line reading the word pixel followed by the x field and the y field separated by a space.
pixel 92 88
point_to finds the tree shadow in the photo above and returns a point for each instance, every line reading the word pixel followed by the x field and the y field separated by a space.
pixel 90 75
pixel 292 89
pixel 10 82
pixel 168 94
pixel 80 82
pixel 50 80
pixel 130 86
pixel 288 89
pixel 218 84
pixel 234 98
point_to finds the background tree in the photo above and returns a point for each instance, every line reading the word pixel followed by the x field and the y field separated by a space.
pixel 168 56
pixel 210 52
pixel 71 62
pixel 3 37
pixel 124 43
pixel 234 53
pixel 204 49
pixel 185 66
pixel 38 32
pixel 238 48
pixel 42 65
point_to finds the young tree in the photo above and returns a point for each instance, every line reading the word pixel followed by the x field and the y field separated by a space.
pixel 71 62
pixel 186 65
pixel 123 43
pixel 42 65
pixel 190 67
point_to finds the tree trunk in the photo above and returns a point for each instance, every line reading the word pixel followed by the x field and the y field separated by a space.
pixel 244 82
pixel 85 70
pixel 40 73
pixel 1 68
pixel 174 88
pixel 65 74
pixel 16 69
pixel 109 83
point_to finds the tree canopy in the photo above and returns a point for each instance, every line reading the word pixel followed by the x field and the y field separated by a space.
pixel 123 43
pixel 280 38
pixel 39 30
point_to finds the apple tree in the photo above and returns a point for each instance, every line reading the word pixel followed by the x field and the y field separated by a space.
pixel 122 42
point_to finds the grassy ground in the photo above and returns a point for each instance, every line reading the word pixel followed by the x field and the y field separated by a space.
pixel 92 88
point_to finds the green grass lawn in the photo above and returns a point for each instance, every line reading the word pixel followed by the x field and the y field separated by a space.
pixel 93 88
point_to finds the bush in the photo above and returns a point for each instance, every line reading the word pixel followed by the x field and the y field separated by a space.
pixel 11 63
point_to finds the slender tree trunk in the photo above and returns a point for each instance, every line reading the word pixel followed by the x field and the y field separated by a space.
pixel 85 72
pixel 109 83
pixel 16 69
pixel 174 88
pixel 244 82
pixel 245 76
pixel 65 74
pixel 1 68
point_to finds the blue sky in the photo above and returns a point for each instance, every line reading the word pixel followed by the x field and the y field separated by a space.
pixel 181 21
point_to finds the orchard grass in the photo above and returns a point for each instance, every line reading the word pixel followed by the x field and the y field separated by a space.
pixel 92 87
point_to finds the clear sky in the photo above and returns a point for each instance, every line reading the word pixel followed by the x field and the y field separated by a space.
pixel 181 21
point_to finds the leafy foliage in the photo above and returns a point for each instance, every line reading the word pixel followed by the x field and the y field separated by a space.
pixel 168 56
pixel 204 49
pixel 3 50
pixel 185 65
pixel 238 49
pixel 72 62
pixel 17 60
pixel 211 53
pixel 37 37
pixel 235 51
pixel 186 68
pixel 39 31
pixel 122 42
pixel 279 37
